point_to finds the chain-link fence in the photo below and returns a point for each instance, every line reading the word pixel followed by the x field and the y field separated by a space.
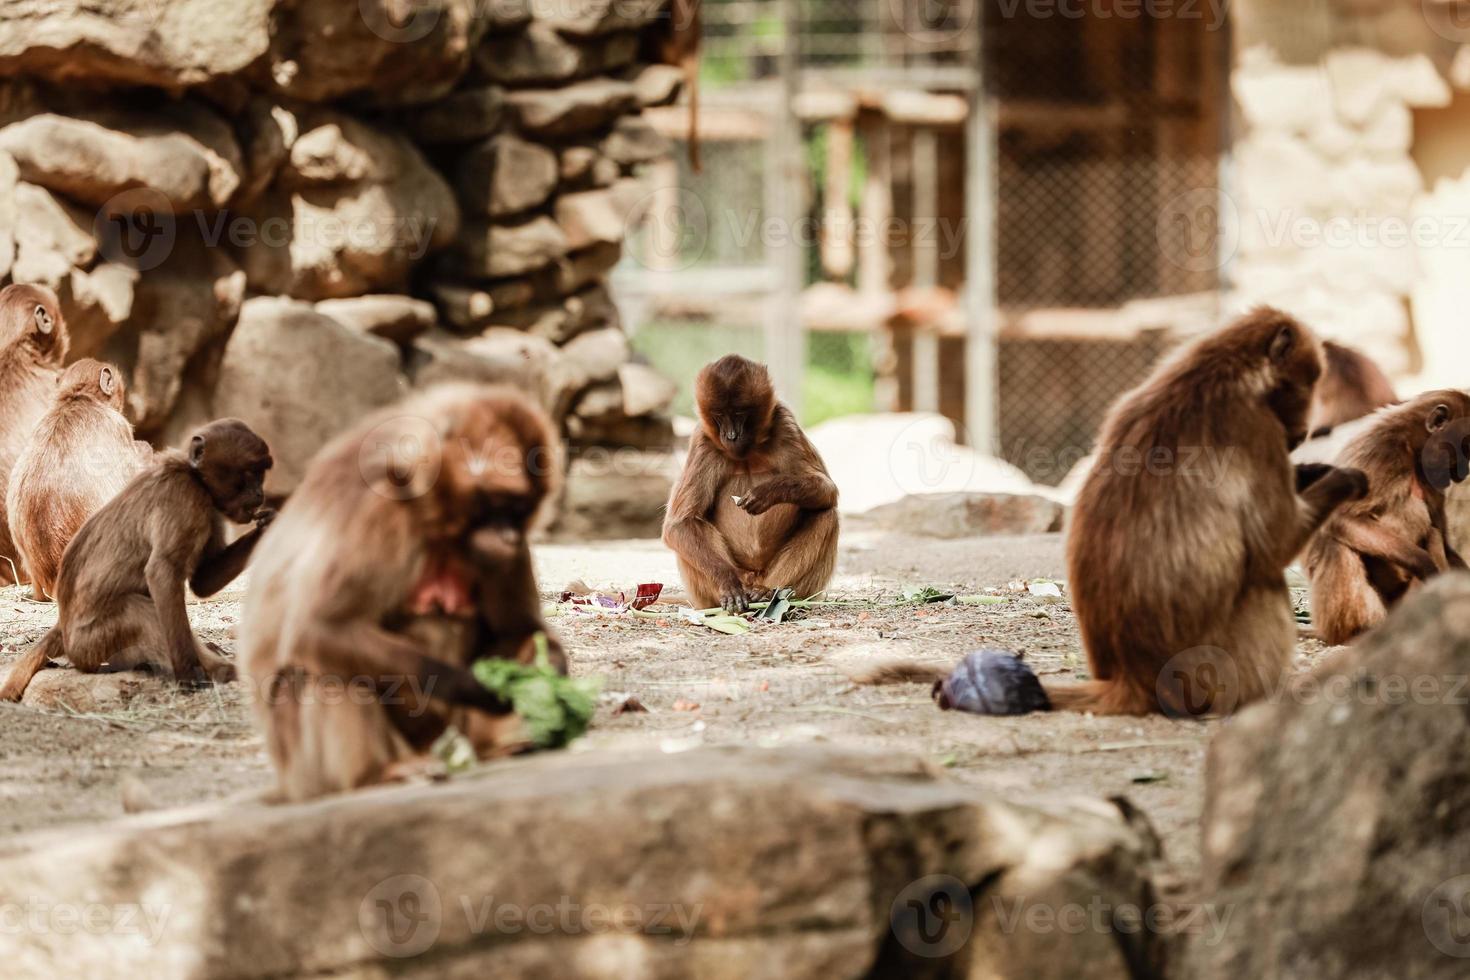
pixel 1104 127
pixel 1107 127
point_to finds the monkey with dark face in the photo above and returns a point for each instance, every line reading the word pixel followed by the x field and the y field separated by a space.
pixel 121 585
pixel 1351 387
pixel 754 509
pixel 1180 538
pixel 1372 551
pixel 33 344
pixel 81 454
pixel 400 561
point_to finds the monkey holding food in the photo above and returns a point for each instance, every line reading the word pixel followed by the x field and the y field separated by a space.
pixel 754 509
pixel 120 590
pixel 1371 552
pixel 400 561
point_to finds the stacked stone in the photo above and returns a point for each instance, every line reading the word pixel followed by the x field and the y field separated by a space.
pixel 294 212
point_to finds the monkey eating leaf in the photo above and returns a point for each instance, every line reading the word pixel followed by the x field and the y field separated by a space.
pixel 554 709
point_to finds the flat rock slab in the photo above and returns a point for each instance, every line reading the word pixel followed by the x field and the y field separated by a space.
pixel 965 514
pixel 65 689
pixel 717 862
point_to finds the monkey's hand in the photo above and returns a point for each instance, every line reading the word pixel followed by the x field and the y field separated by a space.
pixel 1309 473
pixel 1344 484
pixel 733 597
pixel 263 518
pixel 763 498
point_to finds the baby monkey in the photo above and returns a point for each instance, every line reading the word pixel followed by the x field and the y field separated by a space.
pixel 1372 551
pixel 754 509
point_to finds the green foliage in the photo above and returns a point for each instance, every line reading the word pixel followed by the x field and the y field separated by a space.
pixel 555 709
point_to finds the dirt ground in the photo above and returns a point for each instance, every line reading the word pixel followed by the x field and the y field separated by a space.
pixel 780 684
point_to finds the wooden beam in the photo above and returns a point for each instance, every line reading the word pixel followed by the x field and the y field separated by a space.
pixel 785 340
pixel 924 246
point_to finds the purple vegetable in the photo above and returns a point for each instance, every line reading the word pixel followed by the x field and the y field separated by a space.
pixel 991 682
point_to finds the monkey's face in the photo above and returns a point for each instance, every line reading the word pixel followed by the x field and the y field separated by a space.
pixel 231 461
pixel 1294 363
pixel 735 401
pixel 1444 455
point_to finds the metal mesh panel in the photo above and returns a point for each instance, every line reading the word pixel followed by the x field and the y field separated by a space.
pixel 1110 130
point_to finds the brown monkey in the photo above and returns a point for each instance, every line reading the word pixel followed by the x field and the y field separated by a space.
pixel 400 560
pixel 121 586
pixel 81 454
pixel 754 509
pixel 33 343
pixel 1351 387
pixel 1182 532
pixel 1372 551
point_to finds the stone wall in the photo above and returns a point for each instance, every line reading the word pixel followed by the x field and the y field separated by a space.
pixel 293 212
pixel 1329 212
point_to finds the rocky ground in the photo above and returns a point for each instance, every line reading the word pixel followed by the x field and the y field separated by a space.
pixel 785 683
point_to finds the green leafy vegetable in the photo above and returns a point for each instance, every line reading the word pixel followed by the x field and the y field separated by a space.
pixel 554 709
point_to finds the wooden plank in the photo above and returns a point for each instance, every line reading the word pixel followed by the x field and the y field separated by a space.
pixel 924 244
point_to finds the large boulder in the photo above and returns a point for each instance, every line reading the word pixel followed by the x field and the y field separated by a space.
pixel 1337 814
pixel 729 862
pixel 505 175
pixel 383 51
pixel 498 356
pixel 182 150
pixel 556 112
pixel 298 378
pixel 140 42
pixel 496 251
pixel 9 178
pixel 354 208
pixel 180 308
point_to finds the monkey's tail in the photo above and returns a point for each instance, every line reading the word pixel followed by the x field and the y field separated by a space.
pixel 31 663
pixel 899 672
pixel 1097 697
pixel 691 82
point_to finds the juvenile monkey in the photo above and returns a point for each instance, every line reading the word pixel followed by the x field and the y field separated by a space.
pixel 1176 568
pixel 33 343
pixel 400 561
pixel 1372 551
pixel 754 509
pixel 120 591
pixel 1351 387
pixel 81 454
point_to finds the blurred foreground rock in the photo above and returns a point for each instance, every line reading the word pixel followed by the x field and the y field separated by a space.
pixel 712 863
pixel 1337 820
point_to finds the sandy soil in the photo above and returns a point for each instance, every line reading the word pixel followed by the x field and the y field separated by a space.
pixel 783 683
